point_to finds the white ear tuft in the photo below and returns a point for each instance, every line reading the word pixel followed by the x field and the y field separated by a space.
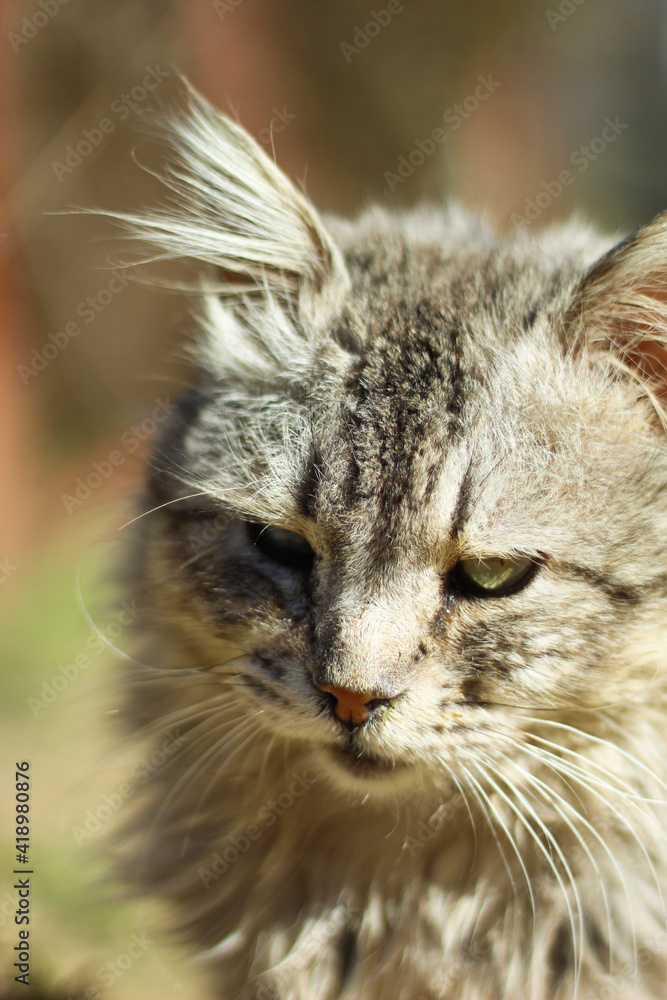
pixel 233 208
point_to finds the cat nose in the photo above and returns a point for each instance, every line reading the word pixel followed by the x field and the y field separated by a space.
pixel 353 707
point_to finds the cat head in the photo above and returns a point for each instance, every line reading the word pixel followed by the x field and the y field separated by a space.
pixel 414 504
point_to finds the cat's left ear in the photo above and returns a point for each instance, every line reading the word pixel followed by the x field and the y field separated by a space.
pixel 621 308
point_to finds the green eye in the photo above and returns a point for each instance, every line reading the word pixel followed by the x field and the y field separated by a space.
pixel 493 577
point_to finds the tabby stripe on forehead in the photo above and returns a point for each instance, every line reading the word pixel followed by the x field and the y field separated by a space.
pixel 457 377
pixel 462 506
pixel 306 493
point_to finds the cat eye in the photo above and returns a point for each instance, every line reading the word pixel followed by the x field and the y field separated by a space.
pixel 285 547
pixel 493 577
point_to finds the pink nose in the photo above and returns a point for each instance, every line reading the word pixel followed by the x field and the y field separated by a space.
pixel 351 706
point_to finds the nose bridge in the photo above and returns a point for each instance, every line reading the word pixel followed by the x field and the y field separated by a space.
pixel 368 647
pixel 382 629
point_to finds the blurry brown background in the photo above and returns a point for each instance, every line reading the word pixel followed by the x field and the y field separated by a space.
pixel 347 101
pixel 349 94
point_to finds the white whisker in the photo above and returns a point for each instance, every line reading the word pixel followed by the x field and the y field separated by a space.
pixel 486 804
pixel 622 819
pixel 561 805
pixel 576 926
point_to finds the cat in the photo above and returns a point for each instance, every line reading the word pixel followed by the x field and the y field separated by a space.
pixel 403 558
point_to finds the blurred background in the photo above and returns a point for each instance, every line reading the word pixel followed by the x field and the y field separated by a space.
pixel 525 111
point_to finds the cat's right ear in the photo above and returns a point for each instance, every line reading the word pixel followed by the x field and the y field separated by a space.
pixel 235 215
pixel 620 309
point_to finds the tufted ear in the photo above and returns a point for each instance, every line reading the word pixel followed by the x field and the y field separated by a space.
pixel 621 305
pixel 233 209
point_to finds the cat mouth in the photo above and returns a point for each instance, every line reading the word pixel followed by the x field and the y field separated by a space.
pixel 365 765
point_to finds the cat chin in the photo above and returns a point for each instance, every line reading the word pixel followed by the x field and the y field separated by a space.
pixel 375 776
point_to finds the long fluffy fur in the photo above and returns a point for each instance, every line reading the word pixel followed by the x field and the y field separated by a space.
pixel 406 392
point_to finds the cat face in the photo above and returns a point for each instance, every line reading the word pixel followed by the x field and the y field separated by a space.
pixel 405 546
pixel 418 487
pixel 436 534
